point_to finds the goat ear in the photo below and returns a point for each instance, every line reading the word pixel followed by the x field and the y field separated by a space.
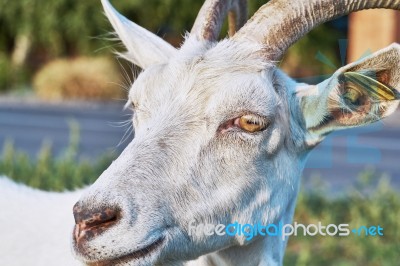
pixel 359 93
pixel 144 48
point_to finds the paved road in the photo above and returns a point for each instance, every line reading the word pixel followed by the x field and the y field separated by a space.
pixel 337 161
pixel 30 124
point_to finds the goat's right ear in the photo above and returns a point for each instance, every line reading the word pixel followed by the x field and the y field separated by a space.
pixel 359 93
pixel 144 48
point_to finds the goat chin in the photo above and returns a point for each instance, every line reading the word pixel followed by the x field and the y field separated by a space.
pixel 35 226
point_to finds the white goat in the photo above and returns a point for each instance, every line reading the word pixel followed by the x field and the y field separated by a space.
pixel 222 135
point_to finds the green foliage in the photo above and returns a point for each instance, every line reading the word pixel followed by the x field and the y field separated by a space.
pixel 34 32
pixel 301 59
pixel 370 204
pixel 49 173
pixel 5 73
pixel 60 26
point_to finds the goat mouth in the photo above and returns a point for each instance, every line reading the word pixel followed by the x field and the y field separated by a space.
pixel 138 254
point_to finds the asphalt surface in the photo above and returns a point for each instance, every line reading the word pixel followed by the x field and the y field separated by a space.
pixel 31 124
pixel 337 161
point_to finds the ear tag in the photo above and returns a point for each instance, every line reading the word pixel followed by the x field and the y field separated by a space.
pixel 372 86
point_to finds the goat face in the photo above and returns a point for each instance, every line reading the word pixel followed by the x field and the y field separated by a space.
pixel 221 136
pixel 194 156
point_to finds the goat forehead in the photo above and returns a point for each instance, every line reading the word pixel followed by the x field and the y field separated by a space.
pixel 195 81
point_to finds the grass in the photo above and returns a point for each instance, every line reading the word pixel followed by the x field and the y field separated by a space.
pixel 369 203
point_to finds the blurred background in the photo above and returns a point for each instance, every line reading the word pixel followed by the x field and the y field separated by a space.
pixel 62 120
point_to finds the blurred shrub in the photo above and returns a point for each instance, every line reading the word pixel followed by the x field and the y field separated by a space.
pixel 316 54
pixel 12 76
pixel 81 78
pixel 5 72
pixel 33 32
pixel 370 203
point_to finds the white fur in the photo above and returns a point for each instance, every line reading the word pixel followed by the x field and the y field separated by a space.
pixel 35 226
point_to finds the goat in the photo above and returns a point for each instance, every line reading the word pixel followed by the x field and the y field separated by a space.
pixel 222 135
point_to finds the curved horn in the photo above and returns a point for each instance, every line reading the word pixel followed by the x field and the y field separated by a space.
pixel 211 16
pixel 280 23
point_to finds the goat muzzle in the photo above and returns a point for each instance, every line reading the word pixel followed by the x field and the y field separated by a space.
pixel 93 222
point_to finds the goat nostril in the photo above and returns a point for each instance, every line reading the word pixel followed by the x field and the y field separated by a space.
pixel 90 223
pixel 100 218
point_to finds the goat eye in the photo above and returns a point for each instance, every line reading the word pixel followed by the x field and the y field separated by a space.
pixel 251 123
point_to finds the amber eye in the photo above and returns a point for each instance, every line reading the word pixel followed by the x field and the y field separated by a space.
pixel 251 123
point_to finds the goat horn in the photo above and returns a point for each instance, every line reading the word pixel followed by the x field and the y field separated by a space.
pixel 211 16
pixel 280 23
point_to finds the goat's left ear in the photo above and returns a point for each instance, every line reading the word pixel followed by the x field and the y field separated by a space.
pixel 144 48
pixel 359 93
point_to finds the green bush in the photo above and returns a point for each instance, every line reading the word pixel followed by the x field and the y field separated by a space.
pixel 41 31
pixel 80 78
pixel 5 73
pixel 366 205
